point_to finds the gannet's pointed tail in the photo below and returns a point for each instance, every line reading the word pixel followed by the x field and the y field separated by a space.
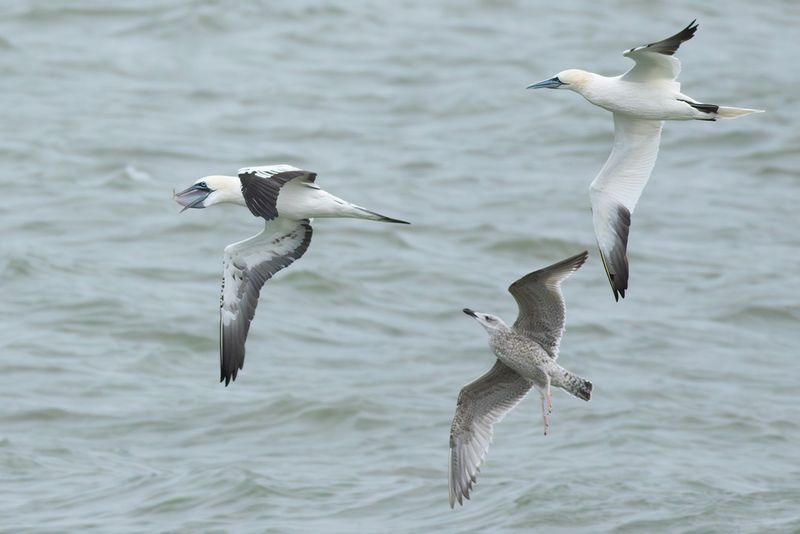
pixel 712 112
pixel 326 205
pixel 363 213
pixel 732 113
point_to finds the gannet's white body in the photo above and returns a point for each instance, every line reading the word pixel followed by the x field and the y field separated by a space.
pixel 641 99
pixel 658 99
pixel 287 198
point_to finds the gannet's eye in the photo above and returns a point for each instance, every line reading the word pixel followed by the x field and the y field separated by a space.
pixel 202 186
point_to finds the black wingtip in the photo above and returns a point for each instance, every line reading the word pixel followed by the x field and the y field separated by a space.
pixel 617 289
pixel 689 31
pixel 618 292
pixel 671 44
pixel 228 376
pixel 615 262
pixel 583 257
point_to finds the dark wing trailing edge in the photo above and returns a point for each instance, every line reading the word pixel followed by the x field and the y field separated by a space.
pixel 542 311
pixel 481 403
pixel 671 44
pixel 260 189
pixel 247 266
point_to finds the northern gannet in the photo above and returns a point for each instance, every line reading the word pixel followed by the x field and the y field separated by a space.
pixel 641 99
pixel 526 357
pixel 287 199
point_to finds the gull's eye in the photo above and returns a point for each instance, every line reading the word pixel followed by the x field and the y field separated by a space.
pixel 489 319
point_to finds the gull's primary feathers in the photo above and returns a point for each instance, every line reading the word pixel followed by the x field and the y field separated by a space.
pixel 641 99
pixel 287 198
pixel 526 358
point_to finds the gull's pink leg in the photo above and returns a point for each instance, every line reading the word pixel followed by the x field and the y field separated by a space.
pixel 549 396
pixel 544 413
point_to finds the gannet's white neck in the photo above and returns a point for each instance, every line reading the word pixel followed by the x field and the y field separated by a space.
pixel 224 189
pixel 578 80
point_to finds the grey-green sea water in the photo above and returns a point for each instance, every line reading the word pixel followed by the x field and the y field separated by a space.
pixel 111 415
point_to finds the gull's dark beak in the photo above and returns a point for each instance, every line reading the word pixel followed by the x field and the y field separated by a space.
pixel 552 83
pixel 470 312
pixel 191 197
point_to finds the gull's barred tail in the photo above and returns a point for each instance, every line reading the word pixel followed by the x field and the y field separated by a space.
pixel 577 386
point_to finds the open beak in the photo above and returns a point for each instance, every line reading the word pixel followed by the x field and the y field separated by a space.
pixel 552 83
pixel 470 312
pixel 191 197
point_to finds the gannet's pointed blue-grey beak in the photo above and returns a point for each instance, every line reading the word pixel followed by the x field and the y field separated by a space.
pixel 192 197
pixel 552 83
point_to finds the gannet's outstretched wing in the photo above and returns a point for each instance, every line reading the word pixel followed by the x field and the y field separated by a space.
pixel 616 190
pixel 261 185
pixel 248 265
pixel 657 60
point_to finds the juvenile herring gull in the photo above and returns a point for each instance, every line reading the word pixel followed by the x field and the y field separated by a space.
pixel 526 358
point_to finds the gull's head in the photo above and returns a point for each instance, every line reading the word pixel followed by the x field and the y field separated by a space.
pixel 210 190
pixel 573 79
pixel 491 323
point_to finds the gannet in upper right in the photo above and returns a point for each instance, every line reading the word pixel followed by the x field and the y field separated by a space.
pixel 640 100
pixel 287 198
pixel 526 358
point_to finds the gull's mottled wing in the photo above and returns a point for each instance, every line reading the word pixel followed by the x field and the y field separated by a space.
pixel 542 311
pixel 261 185
pixel 616 190
pixel 248 265
pixel 656 60
pixel 481 404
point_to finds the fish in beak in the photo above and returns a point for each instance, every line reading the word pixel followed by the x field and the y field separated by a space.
pixel 192 197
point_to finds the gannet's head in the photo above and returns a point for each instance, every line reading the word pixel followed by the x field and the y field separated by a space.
pixel 210 190
pixel 573 79
pixel 491 323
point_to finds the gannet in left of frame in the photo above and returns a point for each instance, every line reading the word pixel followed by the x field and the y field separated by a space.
pixel 641 99
pixel 287 199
